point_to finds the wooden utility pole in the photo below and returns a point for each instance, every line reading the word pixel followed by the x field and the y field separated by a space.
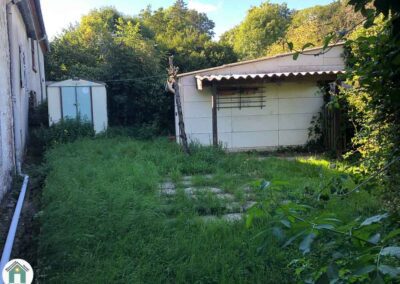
pixel 172 85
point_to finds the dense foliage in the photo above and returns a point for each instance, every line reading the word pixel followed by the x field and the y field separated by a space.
pixel 267 28
pixel 374 96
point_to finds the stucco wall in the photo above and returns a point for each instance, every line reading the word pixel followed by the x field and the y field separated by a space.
pixel 15 59
pixel 6 137
pixel 290 104
pixel 21 55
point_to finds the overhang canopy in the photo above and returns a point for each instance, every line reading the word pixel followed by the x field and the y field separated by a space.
pixel 250 76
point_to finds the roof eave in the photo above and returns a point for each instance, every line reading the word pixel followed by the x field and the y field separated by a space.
pixel 33 19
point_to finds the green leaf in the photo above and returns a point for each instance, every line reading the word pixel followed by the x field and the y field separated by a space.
pixel 286 223
pixel 375 238
pixel 325 226
pixel 390 270
pixel 305 245
pixel 290 45
pixel 292 239
pixel 308 44
pixel 391 235
pixel 278 233
pixel 327 40
pixel 374 219
pixel 365 270
pixel 296 55
pixel 264 184
pixel 391 251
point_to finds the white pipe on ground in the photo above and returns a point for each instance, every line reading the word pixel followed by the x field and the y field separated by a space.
pixel 13 227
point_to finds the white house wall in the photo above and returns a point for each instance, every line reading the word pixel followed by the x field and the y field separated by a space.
pixel 14 99
pixel 6 125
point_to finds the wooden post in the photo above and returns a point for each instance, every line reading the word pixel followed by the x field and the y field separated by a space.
pixel 174 88
pixel 214 115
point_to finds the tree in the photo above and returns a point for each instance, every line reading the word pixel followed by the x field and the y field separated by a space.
pixel 262 26
pixel 109 47
pixel 186 34
pixel 312 25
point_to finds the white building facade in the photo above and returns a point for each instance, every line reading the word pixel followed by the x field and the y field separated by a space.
pixel 260 104
pixel 23 42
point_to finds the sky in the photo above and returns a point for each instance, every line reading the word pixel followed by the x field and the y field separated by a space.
pixel 225 13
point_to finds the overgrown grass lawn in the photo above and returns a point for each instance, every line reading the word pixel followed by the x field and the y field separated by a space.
pixel 105 221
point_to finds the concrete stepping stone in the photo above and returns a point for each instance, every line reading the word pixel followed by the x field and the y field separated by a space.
pixel 168 188
pixel 195 190
pixel 233 217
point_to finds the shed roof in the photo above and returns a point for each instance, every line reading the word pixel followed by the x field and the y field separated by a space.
pixel 265 58
pixel 76 83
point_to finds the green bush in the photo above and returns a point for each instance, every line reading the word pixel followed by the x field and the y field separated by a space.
pixel 145 131
pixel 65 131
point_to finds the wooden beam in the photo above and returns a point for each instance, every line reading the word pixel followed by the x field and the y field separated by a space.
pixel 214 115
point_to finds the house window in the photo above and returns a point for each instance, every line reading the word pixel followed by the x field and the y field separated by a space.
pixel 33 55
pixel 21 68
pixel 240 98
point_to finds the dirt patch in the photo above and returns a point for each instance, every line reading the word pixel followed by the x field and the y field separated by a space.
pixel 7 207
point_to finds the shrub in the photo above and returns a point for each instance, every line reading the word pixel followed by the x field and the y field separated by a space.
pixel 65 131
pixel 145 131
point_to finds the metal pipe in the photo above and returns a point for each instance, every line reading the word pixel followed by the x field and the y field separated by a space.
pixel 13 227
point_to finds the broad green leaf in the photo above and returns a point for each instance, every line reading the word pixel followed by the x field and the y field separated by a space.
pixel 278 233
pixel 391 235
pixel 264 184
pixel 296 55
pixel 327 40
pixel 390 270
pixel 286 223
pixel 391 251
pixel 325 226
pixel 332 219
pixel 375 238
pixel 374 219
pixel 365 270
pixel 292 239
pixel 290 45
pixel 305 245
pixel 309 44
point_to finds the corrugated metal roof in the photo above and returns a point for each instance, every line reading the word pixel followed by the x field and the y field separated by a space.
pixel 265 75
pixel 210 78
pixel 307 51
